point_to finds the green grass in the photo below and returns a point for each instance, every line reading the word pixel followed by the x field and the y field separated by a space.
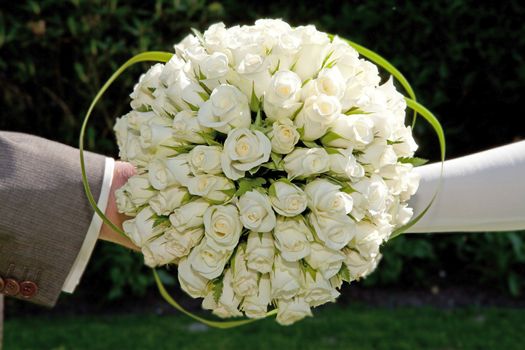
pixel 356 327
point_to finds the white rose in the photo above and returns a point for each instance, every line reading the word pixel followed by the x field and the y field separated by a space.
pixel 335 231
pixel 402 214
pixel 157 252
pixel 354 131
pixel 121 133
pixel 405 145
pixel 190 281
pixel 358 266
pixel 216 37
pixel 284 136
pixel 285 49
pixel 325 198
pixel 162 105
pixel 134 152
pixel 287 278
pixel 325 260
pixel 317 115
pixel 216 189
pixel 139 189
pixel 260 251
pixel 165 201
pixel 185 93
pixel 373 192
pixel 287 199
pixel 292 238
pixel 228 303
pixel 152 135
pixel 281 99
pixel 214 66
pixel 136 119
pixel 291 311
pixel 186 127
pixel 222 226
pixel 313 50
pixel 167 172
pixel 343 163
pixel 181 243
pixel 189 41
pixel 142 96
pixel 205 160
pixel 318 291
pixel 369 238
pixel 244 150
pixel 254 73
pixel 378 154
pixel 171 70
pixel 124 203
pixel 256 212
pixel 256 305
pixel 208 262
pixel 303 162
pixel 189 215
pixel 227 108
pixel 330 82
pixel 400 177
pixel 244 279
pixel 142 228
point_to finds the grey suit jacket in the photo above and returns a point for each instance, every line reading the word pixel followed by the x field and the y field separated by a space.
pixel 44 214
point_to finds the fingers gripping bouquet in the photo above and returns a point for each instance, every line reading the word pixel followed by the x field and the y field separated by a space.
pixel 272 164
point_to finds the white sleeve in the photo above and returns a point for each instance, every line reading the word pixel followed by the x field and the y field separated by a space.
pixel 480 192
pixel 77 270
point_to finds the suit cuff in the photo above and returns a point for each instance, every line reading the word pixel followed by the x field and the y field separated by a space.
pixel 77 270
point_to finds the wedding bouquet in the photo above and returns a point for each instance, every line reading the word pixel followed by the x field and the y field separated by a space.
pixel 272 163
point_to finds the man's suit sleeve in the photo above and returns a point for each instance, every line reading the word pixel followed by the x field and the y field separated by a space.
pixel 44 214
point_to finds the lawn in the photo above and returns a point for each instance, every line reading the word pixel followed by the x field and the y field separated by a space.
pixel 355 327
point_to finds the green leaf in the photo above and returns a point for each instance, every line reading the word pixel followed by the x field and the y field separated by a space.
pixel 230 192
pixel 254 101
pixel 204 87
pixel 160 220
pixel 209 139
pixel 217 289
pixel 203 95
pixel 310 270
pixel 247 184
pixel 272 72
pixel 180 149
pixel 415 161
pixel 330 137
pixel 276 158
pixel 389 142
pixel 297 112
pixel 331 150
pixel 311 144
pixel 192 106
pixel 354 110
pixel 344 273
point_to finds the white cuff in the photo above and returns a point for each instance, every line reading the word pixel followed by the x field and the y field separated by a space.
pixel 77 270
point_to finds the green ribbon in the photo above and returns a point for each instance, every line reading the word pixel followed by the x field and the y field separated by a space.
pixel 158 56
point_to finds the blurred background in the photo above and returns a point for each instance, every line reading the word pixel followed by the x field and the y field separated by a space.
pixel 465 60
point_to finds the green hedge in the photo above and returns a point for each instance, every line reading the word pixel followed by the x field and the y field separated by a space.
pixel 465 60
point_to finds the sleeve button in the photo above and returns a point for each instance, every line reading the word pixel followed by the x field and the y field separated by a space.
pixel 28 289
pixel 11 287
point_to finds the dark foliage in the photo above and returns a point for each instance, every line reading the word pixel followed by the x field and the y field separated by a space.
pixel 464 58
